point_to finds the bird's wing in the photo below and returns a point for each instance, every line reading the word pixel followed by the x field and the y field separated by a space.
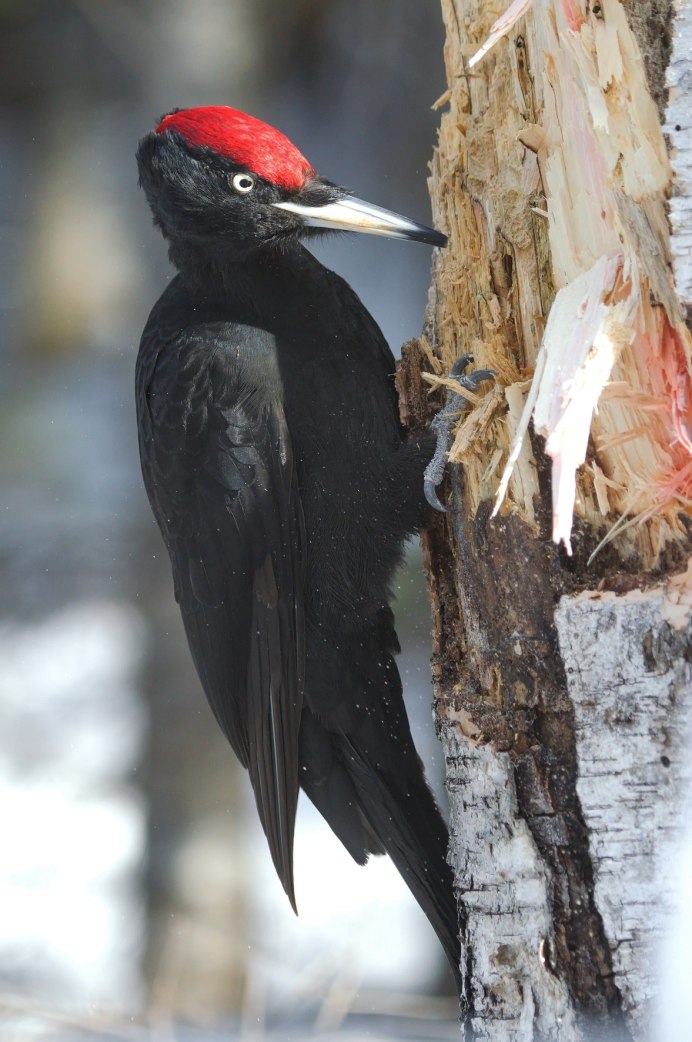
pixel 218 468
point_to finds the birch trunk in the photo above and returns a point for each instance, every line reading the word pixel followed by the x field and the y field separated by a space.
pixel 562 637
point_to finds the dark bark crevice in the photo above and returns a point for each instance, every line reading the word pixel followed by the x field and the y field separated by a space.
pixel 651 22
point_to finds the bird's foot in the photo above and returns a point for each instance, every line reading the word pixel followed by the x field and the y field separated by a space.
pixel 444 424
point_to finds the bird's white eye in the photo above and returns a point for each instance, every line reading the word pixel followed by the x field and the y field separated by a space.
pixel 243 183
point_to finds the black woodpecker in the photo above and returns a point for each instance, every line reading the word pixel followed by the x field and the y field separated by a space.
pixel 285 487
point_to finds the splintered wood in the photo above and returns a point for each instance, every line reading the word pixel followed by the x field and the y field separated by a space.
pixel 551 180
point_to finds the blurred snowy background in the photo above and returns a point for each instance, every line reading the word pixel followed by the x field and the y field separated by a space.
pixel 134 879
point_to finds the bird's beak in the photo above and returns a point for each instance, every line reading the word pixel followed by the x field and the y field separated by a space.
pixel 349 214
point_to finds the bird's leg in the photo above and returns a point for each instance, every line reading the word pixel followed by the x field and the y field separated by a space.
pixel 444 423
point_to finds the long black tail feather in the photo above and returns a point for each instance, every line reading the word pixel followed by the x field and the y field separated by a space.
pixel 410 827
pixel 362 772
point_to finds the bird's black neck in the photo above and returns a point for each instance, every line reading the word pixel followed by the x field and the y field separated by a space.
pixel 225 271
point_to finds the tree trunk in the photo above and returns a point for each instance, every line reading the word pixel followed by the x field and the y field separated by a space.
pixel 562 636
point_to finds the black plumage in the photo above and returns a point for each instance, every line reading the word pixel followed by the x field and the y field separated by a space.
pixel 285 487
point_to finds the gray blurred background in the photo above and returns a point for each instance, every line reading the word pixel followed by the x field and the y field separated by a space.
pixel 134 879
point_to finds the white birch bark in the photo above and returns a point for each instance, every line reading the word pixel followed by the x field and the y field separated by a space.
pixel 679 127
pixel 629 677
pixel 511 989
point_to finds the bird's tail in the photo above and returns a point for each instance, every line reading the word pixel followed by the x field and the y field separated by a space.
pixel 408 824
pixel 360 768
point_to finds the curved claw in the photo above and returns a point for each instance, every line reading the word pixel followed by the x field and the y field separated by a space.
pixel 473 380
pixel 460 365
pixel 430 491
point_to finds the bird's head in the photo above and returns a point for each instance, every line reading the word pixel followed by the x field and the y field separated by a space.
pixel 221 183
